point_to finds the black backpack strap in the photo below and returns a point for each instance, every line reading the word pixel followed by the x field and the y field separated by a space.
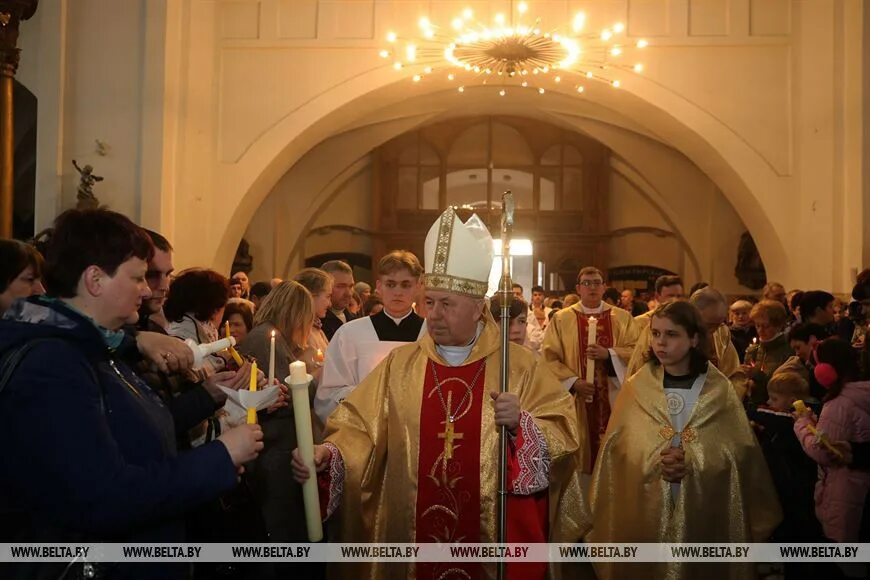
pixel 11 358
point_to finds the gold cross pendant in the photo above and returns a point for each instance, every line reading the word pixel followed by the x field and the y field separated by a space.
pixel 449 435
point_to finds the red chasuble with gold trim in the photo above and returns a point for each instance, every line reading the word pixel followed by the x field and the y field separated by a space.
pixel 598 411
pixel 449 471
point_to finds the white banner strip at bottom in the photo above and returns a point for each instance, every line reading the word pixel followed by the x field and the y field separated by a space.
pixel 325 552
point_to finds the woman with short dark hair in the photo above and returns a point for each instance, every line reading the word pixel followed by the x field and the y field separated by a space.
pixel 239 318
pixel 194 309
pixel 91 452
pixel 20 272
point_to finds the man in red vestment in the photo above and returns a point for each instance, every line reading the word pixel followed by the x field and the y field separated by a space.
pixel 412 454
pixel 568 352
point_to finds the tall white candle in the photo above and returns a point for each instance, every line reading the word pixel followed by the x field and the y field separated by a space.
pixel 592 338
pixel 298 383
pixel 272 361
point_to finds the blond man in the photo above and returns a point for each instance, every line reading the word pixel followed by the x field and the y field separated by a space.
pixel 358 346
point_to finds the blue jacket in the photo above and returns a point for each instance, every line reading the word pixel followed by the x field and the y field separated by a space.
pixel 89 449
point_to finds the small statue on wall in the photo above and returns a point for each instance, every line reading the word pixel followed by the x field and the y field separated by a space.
pixel 85 195
pixel 750 271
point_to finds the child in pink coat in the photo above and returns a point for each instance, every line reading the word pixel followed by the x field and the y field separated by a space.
pixel 840 492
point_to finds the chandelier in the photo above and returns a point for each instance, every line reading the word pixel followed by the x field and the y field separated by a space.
pixel 521 54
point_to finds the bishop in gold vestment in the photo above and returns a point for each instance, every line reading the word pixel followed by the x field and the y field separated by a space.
pixel 412 452
pixel 727 494
pixel 378 433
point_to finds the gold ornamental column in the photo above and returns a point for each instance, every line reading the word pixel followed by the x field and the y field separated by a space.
pixel 12 12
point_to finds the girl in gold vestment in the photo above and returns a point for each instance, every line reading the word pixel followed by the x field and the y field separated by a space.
pixel 679 461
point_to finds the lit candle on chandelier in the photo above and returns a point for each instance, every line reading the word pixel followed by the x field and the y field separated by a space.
pixel 591 338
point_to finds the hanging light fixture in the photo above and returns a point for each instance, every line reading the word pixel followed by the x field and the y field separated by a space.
pixel 464 50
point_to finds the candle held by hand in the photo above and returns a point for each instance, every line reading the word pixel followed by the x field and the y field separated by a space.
pixel 272 360
pixel 298 382
pixel 591 338
pixel 252 412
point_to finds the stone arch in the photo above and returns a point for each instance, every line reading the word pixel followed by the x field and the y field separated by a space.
pixel 733 165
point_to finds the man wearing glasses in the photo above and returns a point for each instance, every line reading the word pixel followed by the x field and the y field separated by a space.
pixel 567 351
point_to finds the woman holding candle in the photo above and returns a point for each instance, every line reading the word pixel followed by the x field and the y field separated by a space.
pixel 679 461
pixel 239 318
pixel 195 307
pixel 770 351
pixel 288 312
pixel 319 283
pixel 96 455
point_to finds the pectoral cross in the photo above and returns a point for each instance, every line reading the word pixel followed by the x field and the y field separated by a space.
pixel 449 435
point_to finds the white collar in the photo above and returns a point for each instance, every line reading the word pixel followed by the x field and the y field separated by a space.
pixel 398 320
pixel 598 310
pixel 456 355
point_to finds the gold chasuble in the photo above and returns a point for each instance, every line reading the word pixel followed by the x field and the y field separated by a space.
pixel 413 475
pixel 725 357
pixel 726 496
pixel 564 350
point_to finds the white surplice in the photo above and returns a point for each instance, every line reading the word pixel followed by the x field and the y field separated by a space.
pixel 353 353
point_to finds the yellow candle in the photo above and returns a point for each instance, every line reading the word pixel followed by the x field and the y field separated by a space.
pixel 237 357
pixel 253 385
pixel 801 409
pixel 252 412
pixel 233 352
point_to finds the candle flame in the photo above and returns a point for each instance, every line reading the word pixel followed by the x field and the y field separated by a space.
pixel 273 334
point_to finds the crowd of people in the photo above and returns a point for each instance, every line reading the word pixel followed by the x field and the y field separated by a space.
pixel 670 418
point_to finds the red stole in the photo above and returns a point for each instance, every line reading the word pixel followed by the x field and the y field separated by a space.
pixel 598 411
pixel 448 492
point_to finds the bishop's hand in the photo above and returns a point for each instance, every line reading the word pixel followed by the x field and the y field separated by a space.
pixel 673 464
pixel 507 410
pixel 583 389
pixel 322 455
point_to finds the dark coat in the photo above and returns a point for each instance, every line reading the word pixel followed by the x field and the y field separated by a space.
pixel 794 476
pixel 91 448
pixel 330 323
pixel 188 402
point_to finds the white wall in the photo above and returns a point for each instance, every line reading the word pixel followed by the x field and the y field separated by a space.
pixel 666 191
pixel 760 95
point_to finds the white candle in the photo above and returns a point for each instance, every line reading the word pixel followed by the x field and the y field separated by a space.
pixel 592 338
pixel 200 351
pixel 298 382
pixel 272 361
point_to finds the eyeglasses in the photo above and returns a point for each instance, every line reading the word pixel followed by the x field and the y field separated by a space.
pixel 591 283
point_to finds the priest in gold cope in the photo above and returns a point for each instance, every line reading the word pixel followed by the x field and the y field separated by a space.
pixel 411 455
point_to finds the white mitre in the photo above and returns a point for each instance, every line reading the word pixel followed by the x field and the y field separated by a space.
pixel 458 255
